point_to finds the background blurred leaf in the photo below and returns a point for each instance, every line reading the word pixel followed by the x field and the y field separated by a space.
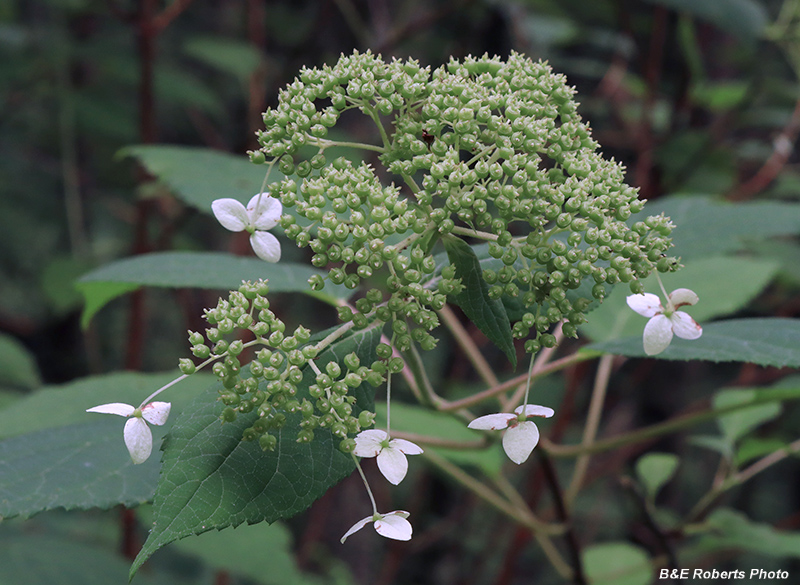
pixel 745 19
pixel 733 530
pixel 209 270
pixel 17 364
pixel 767 342
pixel 656 469
pixel 617 563
pixel 198 176
pixel 737 424
pixel 228 55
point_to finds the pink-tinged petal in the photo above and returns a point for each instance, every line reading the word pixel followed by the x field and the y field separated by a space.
pixel 156 413
pixel 138 439
pixel 682 296
pixel 356 527
pixel 519 441
pixel 394 526
pixel 393 465
pixel 264 211
pixel 492 422
pixel 114 408
pixel 369 443
pixel 231 214
pixel 266 246
pixel 684 326
pixel 646 304
pixel 535 410
pixel 657 335
pixel 406 447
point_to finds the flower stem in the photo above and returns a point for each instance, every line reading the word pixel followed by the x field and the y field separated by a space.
pixel 366 484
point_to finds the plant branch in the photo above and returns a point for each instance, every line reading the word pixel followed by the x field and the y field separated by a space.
pixel 467 344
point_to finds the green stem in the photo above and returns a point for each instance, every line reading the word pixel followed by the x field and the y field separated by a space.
pixel 366 484
pixel 324 143
pixel 474 233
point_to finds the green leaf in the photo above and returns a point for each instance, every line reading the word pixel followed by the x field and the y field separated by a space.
pixel 57 406
pixel 487 314
pixel 28 558
pixel 708 227
pixel 737 424
pixel 209 270
pixel 724 286
pixel 198 176
pixel 17 364
pixel 713 443
pixel 745 19
pixel 228 55
pixel 733 530
pixel 752 447
pixel 212 479
pixel 767 342
pixel 656 469
pixel 79 466
pixel 617 563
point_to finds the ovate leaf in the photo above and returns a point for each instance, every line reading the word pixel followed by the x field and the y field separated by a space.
pixel 656 469
pixel 209 270
pixel 487 314
pixel 211 479
pixel 766 342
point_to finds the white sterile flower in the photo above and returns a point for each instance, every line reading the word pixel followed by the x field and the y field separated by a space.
pixel 521 435
pixel 262 213
pixel 391 453
pixel 665 321
pixel 137 435
pixel 392 525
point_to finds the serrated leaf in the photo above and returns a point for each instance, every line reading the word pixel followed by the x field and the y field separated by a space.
pixel 737 424
pixel 731 529
pixel 724 285
pixel 656 469
pixel 198 176
pixel 79 466
pixel 66 404
pixel 709 227
pixel 745 19
pixel 487 314
pixel 617 563
pixel 771 341
pixel 208 270
pixel 211 479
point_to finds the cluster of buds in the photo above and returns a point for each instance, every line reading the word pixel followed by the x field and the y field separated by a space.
pixel 486 149
pixel 277 382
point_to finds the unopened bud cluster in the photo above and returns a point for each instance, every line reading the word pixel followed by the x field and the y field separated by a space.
pixel 275 383
pixel 483 148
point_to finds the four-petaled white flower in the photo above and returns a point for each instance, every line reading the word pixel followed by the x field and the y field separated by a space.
pixel 391 453
pixel 392 525
pixel 137 435
pixel 665 321
pixel 521 435
pixel 262 213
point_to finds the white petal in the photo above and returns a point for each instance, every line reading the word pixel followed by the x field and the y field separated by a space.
pixel 646 304
pixel 657 335
pixel 369 443
pixel 492 422
pixel 230 213
pixel 684 326
pixel 394 525
pixel 519 441
pixel 406 447
pixel 356 527
pixel 535 410
pixel 156 413
pixel 266 246
pixel 138 439
pixel 264 212
pixel 393 465
pixel 683 296
pixel 113 408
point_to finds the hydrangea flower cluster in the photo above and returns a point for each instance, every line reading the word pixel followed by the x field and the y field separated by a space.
pixel 482 148
pixel 271 388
